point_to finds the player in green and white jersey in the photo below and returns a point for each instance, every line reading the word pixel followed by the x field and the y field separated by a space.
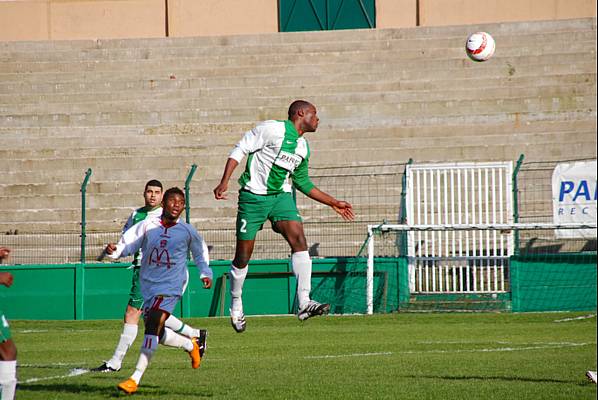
pixel 277 159
pixel 152 196
pixel 8 350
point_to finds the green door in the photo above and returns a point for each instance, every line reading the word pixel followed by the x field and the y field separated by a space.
pixel 320 15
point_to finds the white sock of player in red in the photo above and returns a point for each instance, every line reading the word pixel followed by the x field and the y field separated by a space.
pixel 127 337
pixel 180 327
pixel 8 379
pixel 302 270
pixel 173 339
pixel 148 348
pixel 237 279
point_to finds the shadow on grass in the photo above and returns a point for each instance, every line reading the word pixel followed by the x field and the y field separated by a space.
pixel 499 378
pixel 104 391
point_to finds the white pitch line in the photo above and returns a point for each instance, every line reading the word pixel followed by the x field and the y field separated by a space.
pixel 576 318
pixel 73 372
pixel 386 353
pixel 59 364
pixel 486 350
pixel 499 349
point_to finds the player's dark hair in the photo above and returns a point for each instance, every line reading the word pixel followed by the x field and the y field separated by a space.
pixel 296 106
pixel 153 182
pixel 171 192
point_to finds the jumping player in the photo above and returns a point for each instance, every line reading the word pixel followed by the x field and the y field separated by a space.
pixel 278 157
pixel 165 243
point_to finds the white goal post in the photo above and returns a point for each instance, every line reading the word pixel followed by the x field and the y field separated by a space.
pixel 411 229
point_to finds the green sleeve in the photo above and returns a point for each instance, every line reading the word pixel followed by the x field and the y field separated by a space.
pixel 301 179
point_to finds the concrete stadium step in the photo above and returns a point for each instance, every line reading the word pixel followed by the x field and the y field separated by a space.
pixel 326 111
pixel 137 157
pixel 440 32
pixel 222 134
pixel 19 92
pixel 123 162
pixel 350 42
pixel 175 173
pixel 380 51
pixel 78 158
pixel 111 169
pixel 351 97
pixel 406 69
pixel 325 74
pixel 470 87
pixel 124 131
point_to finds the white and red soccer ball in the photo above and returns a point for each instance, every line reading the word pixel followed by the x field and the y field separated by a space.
pixel 480 46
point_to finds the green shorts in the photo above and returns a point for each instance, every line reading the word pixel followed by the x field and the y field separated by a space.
pixel 255 209
pixel 4 328
pixel 135 298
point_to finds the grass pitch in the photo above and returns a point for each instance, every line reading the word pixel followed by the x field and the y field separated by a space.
pixel 395 356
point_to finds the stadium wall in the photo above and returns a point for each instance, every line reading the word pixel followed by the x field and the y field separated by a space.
pixel 100 291
pixel 104 19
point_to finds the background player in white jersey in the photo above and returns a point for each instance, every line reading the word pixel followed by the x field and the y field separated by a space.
pixel 165 243
pixel 8 350
pixel 152 196
pixel 278 157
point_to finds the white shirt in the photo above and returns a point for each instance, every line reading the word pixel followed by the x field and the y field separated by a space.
pixel 137 216
pixel 164 261
pixel 277 155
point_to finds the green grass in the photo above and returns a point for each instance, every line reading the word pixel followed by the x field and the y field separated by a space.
pixel 396 356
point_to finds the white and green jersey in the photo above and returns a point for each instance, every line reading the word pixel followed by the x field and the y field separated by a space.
pixel 277 155
pixel 137 216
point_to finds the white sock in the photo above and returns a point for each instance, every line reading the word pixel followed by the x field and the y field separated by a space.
pixel 8 379
pixel 148 348
pixel 237 279
pixel 180 327
pixel 173 339
pixel 302 270
pixel 127 338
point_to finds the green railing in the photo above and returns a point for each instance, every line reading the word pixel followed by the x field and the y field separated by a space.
pixel 516 201
pixel 188 192
pixel 83 214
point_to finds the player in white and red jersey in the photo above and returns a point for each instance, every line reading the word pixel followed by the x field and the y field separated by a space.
pixel 152 208
pixel 165 243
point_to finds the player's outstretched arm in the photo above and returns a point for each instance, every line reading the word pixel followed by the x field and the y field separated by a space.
pixel 220 190
pixel 342 208
pixel 129 242
pixel 201 256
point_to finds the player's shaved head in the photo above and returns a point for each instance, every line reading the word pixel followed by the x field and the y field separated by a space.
pixel 154 183
pixel 298 105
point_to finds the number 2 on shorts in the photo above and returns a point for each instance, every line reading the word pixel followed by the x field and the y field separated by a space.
pixel 243 226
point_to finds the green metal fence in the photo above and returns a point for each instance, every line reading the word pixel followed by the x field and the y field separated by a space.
pixel 376 191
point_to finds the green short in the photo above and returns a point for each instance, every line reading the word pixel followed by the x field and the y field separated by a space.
pixel 4 328
pixel 255 209
pixel 135 298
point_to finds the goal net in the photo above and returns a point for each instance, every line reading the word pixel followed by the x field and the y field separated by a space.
pixel 467 267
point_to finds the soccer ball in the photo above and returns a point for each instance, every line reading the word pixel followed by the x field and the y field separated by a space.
pixel 480 46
